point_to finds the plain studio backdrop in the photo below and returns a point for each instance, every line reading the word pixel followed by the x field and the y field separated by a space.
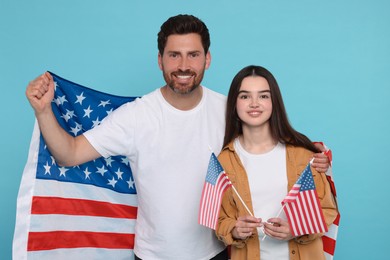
pixel 331 59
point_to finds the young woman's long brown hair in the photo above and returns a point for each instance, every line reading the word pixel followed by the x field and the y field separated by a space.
pixel 281 128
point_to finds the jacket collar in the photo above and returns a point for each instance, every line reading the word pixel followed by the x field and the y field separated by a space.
pixel 229 146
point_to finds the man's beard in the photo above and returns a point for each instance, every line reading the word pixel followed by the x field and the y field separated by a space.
pixel 183 88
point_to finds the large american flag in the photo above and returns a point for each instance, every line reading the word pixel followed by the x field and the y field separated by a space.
pixel 216 183
pixel 303 208
pixel 82 212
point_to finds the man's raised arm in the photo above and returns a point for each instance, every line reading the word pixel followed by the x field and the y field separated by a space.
pixel 66 149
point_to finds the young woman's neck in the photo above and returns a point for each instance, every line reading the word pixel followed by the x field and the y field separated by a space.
pixel 257 140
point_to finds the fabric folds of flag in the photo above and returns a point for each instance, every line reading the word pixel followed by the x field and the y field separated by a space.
pixel 216 183
pixel 83 212
pixel 303 208
pixel 329 239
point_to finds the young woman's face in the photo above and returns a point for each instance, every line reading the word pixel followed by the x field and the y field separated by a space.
pixel 254 105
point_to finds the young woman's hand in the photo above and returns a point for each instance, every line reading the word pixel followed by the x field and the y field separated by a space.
pixel 278 229
pixel 245 227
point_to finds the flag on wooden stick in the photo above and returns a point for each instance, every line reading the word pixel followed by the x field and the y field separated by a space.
pixel 303 208
pixel 215 185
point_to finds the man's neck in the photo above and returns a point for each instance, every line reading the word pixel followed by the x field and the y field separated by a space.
pixel 182 101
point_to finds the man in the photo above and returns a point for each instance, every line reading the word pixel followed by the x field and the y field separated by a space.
pixel 166 135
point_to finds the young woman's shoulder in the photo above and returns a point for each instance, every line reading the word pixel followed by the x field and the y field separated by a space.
pixel 226 152
pixel 299 150
pixel 299 155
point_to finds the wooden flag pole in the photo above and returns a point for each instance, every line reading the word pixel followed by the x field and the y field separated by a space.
pixel 242 201
pixel 280 211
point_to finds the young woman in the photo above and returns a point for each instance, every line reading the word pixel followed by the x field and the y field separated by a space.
pixel 263 156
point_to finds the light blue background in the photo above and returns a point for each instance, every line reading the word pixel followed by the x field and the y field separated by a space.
pixel 331 58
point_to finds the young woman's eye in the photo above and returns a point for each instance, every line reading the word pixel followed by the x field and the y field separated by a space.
pixel 264 97
pixel 243 97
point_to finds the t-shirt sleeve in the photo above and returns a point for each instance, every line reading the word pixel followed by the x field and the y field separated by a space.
pixel 115 135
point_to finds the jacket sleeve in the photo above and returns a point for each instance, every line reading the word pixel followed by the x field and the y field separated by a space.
pixel 327 202
pixel 227 221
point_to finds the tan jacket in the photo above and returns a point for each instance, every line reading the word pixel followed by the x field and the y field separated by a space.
pixel 307 247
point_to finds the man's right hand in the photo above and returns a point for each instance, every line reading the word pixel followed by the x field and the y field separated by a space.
pixel 40 92
pixel 66 149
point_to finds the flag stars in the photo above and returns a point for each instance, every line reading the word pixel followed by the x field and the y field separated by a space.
pixel 125 161
pixel 47 168
pixel 96 122
pixel 119 174
pixel 76 129
pixel 102 170
pixel 131 183
pixel 80 98
pixel 109 160
pixel 66 117
pixel 109 111
pixel 55 85
pixel 112 182
pixel 87 112
pixel 69 115
pixel 60 100
pixel 306 180
pixel 104 103
pixel 80 126
pixel 63 171
pixel 214 169
pixel 87 173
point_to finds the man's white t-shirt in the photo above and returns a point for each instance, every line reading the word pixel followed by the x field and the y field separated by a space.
pixel 267 176
pixel 169 153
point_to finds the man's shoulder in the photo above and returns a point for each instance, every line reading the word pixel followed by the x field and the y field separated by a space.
pixel 215 96
pixel 213 92
pixel 141 103
pixel 147 98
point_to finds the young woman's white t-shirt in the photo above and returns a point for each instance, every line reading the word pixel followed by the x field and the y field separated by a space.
pixel 268 186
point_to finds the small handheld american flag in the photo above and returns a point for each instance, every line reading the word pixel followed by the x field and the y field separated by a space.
pixel 215 185
pixel 303 208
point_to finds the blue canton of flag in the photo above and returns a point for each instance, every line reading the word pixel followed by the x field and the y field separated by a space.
pixel 79 109
pixel 306 180
pixel 213 171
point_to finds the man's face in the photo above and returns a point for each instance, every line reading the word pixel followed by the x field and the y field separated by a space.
pixel 183 62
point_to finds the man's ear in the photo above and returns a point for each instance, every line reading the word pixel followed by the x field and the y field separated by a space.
pixel 159 60
pixel 208 60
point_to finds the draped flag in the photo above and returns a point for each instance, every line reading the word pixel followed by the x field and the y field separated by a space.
pixel 329 238
pixel 82 212
pixel 302 207
pixel 215 185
